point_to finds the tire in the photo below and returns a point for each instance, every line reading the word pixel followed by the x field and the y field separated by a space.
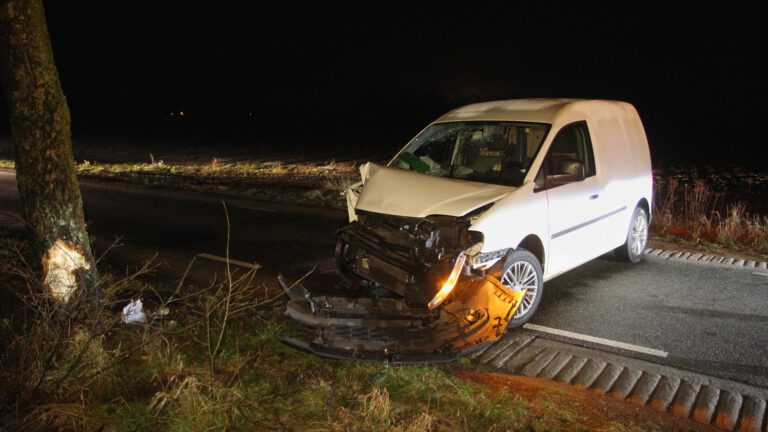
pixel 523 270
pixel 633 248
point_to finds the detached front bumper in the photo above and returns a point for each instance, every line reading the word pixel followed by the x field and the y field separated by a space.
pixel 388 329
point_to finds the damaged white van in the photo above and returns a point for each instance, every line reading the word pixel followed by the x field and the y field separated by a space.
pixel 451 242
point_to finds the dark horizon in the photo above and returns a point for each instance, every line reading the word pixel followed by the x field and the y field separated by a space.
pixel 251 71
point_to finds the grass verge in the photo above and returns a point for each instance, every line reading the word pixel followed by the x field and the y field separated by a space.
pixel 315 184
pixel 695 213
pixel 209 359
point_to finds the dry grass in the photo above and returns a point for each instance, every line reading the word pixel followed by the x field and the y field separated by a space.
pixel 56 354
pixel 219 367
pixel 315 184
pixel 234 171
pixel 695 214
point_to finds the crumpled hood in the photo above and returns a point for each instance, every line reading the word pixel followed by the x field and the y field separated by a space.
pixel 400 192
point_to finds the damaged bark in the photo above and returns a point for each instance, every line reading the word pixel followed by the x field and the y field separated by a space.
pixel 42 146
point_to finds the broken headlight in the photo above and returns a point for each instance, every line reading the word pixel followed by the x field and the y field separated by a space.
pixel 486 260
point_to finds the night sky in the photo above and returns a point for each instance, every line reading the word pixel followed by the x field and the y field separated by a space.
pixel 383 71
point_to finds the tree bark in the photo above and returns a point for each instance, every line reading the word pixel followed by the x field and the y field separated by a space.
pixel 42 144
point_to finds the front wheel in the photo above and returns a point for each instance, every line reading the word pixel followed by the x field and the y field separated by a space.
pixel 637 238
pixel 522 271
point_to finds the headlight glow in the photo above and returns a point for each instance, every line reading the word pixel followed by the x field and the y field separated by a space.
pixel 450 283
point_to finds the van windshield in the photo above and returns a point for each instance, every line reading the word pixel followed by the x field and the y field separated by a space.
pixel 489 152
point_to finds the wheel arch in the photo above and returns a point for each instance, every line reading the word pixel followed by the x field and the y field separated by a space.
pixel 533 244
pixel 643 203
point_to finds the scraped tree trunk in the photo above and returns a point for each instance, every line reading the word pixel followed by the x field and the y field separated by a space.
pixel 42 144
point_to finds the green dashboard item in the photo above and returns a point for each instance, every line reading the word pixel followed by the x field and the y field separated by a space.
pixel 414 162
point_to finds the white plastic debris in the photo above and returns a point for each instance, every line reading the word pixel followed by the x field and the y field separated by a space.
pixel 133 313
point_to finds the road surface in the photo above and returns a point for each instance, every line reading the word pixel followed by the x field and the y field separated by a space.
pixel 706 318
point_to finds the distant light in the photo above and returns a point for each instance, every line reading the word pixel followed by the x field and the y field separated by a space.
pixel 181 113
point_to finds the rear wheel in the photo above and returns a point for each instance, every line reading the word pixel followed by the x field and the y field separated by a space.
pixel 637 238
pixel 522 271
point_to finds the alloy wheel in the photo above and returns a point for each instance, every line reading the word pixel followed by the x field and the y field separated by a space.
pixel 522 276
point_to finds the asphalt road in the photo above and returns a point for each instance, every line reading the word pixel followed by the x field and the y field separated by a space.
pixel 177 225
pixel 708 318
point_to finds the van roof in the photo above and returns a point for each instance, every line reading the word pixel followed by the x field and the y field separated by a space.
pixel 532 110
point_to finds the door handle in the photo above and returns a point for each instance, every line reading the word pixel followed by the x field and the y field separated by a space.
pixel 594 197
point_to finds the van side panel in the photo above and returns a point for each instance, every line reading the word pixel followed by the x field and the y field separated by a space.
pixel 623 169
pixel 623 164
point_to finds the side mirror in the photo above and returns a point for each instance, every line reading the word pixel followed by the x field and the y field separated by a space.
pixel 569 171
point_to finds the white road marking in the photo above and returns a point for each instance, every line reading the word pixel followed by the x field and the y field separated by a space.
pixel 258 209
pixel 597 340
pixel 231 261
pixel 759 274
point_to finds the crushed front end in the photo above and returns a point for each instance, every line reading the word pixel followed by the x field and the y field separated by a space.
pixel 417 289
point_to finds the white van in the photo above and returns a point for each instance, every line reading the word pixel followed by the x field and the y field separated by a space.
pixel 493 198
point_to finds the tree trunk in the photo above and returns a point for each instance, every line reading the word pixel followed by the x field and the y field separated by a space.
pixel 42 144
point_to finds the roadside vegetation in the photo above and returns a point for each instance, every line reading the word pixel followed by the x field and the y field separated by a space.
pixel 316 184
pixel 713 211
pixel 208 358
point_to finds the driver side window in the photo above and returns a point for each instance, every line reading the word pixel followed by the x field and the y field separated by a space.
pixel 570 154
